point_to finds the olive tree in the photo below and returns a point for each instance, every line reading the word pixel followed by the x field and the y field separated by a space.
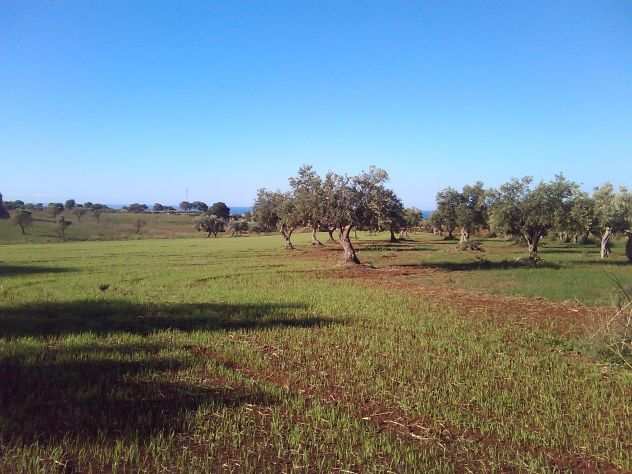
pixel 264 210
pixel 79 212
pixel 389 211
pixel 308 199
pixel 220 210
pixel 62 224
pixel 23 219
pixel 211 224
pixel 445 216
pixel 580 221
pixel 521 210
pixel 55 208
pixel 290 217
pixel 199 205
pixel 612 212
pixel 351 202
pixel 471 210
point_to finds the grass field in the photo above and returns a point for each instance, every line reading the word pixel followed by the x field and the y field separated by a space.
pixel 111 226
pixel 232 355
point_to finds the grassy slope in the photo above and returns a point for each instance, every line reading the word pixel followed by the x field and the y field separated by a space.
pixel 112 226
pixel 209 355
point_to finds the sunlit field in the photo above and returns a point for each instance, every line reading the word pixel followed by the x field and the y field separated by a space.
pixel 233 355
pixel 109 226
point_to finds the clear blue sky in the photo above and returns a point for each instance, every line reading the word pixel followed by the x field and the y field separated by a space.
pixel 119 101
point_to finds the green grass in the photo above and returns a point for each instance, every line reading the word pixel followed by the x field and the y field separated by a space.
pixel 204 355
pixel 567 272
pixel 111 226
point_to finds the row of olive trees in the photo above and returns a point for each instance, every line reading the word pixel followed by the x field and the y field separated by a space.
pixel 333 202
pixel 521 210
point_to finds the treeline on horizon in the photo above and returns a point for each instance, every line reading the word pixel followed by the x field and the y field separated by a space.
pixel 519 209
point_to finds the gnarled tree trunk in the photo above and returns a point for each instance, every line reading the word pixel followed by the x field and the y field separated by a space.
pixel 286 233
pixel 330 231
pixel 605 242
pixel 465 235
pixel 628 246
pixel 532 242
pixel 315 241
pixel 349 254
pixel 393 238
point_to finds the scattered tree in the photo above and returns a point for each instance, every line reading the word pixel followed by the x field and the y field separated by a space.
pixel 307 198
pixel 520 210
pixel 471 210
pixel 220 210
pixel 62 224
pixel 79 212
pixel 55 208
pixel 96 212
pixel 185 206
pixel 199 205
pixel 265 209
pixel 23 219
pixel 445 216
pixel 136 208
pixel 139 224
pixel 211 224
pixel 70 204
pixel 611 214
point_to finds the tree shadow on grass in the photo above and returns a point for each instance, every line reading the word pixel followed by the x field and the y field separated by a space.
pixel 17 270
pixel 605 262
pixel 483 265
pixel 114 316
pixel 126 392
pixel 107 391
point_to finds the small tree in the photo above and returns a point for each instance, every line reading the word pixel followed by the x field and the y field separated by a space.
pixel 22 219
pixel 308 199
pixel 70 204
pixel 289 218
pixel 580 221
pixel 521 210
pixel 199 205
pixel 237 226
pixel 185 206
pixel 137 208
pixel 265 209
pixel 79 212
pixel 55 208
pixel 62 224
pixel 139 224
pixel 157 207
pixel 220 210
pixel 389 211
pixel 471 210
pixel 211 224
pixel 4 214
pixel 445 216
pixel 413 217
pixel 96 212
pixel 612 214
